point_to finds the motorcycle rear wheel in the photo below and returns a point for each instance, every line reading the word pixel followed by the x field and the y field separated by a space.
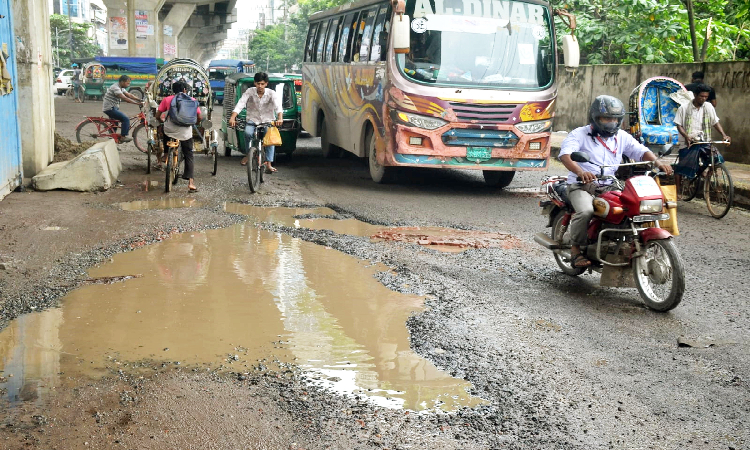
pixel 562 257
pixel 660 275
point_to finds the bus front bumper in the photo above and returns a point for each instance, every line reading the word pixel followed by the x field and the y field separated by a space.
pixel 468 148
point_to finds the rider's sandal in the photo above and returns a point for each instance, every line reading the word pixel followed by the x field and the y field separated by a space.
pixel 244 161
pixel 579 261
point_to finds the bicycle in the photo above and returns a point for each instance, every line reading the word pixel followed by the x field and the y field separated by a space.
pixel 718 189
pixel 256 157
pixel 174 161
pixel 81 92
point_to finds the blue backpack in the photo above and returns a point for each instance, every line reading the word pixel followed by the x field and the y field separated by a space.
pixel 183 110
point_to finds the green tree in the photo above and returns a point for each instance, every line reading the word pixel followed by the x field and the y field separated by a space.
pixel 270 46
pixel 657 31
pixel 83 45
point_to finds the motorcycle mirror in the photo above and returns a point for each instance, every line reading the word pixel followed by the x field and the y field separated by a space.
pixel 580 157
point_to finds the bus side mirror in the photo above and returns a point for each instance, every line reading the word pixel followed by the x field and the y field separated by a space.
pixel 401 33
pixel 571 51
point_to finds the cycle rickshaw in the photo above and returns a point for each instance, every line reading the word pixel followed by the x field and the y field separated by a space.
pixel 206 141
pixel 93 75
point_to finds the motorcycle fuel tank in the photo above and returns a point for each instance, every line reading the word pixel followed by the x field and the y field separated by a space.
pixel 608 206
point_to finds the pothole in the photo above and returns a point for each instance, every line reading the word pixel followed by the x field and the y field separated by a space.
pixel 165 203
pixel 232 297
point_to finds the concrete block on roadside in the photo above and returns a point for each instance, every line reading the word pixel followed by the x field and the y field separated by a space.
pixel 96 169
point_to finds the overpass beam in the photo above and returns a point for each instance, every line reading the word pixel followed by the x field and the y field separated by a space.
pixel 173 25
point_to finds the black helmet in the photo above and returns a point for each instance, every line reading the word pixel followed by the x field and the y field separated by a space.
pixel 606 106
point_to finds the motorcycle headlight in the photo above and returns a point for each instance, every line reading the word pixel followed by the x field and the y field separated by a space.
pixel 651 206
pixel 428 123
pixel 534 127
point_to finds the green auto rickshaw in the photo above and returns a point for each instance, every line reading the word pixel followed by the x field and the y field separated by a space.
pixel 93 75
pixel 234 138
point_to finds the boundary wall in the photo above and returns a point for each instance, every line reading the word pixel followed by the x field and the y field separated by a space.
pixel 730 80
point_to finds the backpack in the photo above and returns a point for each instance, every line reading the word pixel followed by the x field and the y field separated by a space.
pixel 183 110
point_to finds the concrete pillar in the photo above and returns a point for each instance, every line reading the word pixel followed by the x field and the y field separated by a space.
pixel 36 113
pixel 186 40
pixel 172 27
pixel 134 27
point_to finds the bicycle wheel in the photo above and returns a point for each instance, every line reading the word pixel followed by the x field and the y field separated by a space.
pixel 170 170
pixel 140 138
pixel 688 188
pixel 148 158
pixel 69 92
pixel 718 190
pixel 215 156
pixel 253 170
pixel 92 130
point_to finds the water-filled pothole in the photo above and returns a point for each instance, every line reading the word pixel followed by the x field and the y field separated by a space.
pixel 232 296
pixel 163 203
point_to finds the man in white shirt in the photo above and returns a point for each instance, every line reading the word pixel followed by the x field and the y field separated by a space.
pixel 694 120
pixel 605 143
pixel 260 104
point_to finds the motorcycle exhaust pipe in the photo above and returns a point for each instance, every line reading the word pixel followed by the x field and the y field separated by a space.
pixel 547 242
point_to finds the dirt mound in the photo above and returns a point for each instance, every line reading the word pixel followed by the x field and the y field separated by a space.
pixel 66 149
pixel 448 236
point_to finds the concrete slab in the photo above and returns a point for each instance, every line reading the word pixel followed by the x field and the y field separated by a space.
pixel 96 169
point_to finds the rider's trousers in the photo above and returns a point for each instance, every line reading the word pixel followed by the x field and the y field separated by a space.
pixel 582 199
pixel 249 132
pixel 116 114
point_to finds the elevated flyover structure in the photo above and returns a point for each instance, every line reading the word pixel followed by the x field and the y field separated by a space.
pixel 168 29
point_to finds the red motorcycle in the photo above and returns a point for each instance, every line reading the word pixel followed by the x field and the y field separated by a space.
pixel 625 243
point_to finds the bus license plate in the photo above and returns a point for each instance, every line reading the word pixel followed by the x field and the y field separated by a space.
pixel 478 153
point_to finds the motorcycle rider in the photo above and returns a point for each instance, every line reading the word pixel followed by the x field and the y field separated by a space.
pixel 605 143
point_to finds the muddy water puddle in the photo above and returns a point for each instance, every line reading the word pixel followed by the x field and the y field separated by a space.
pixel 232 296
pixel 165 203
pixel 437 238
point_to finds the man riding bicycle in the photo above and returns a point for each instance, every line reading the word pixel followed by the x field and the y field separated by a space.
pixel 605 143
pixel 111 105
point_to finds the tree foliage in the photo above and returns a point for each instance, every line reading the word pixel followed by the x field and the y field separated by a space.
pixel 83 45
pixel 269 46
pixel 658 31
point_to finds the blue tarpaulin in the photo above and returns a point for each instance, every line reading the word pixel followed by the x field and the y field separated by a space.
pixel 134 65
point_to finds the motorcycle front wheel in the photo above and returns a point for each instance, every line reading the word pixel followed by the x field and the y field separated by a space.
pixel 561 234
pixel 660 275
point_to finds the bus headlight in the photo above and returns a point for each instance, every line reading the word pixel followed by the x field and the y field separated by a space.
pixel 428 123
pixel 534 127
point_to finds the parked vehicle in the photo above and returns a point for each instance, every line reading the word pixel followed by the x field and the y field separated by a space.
pixel 236 85
pixel 219 69
pixel 63 81
pixel 405 85
pixel 626 243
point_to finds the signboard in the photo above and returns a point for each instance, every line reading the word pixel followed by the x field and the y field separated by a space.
pixel 118 33
pixel 170 49
pixel 142 28
pixel 167 30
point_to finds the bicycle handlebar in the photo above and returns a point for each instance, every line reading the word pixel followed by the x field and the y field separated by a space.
pixel 710 142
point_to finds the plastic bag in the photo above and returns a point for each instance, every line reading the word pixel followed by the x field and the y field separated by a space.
pixel 272 137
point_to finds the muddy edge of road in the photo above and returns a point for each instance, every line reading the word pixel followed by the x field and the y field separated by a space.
pixel 520 413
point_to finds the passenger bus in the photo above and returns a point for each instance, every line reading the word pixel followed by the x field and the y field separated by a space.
pixel 467 84
pixel 218 69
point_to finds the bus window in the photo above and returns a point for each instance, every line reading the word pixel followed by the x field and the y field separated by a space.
pixel 380 36
pixel 321 41
pixel 362 42
pixel 310 46
pixel 345 40
pixel 333 33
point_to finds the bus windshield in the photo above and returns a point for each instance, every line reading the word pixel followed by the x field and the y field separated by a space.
pixel 483 43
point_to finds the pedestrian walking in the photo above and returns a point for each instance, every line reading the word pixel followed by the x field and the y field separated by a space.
pixel 76 80
pixel 180 113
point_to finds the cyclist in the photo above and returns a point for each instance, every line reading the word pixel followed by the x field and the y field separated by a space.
pixel 76 80
pixel 260 104
pixel 694 121
pixel 184 134
pixel 111 104
pixel 604 141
